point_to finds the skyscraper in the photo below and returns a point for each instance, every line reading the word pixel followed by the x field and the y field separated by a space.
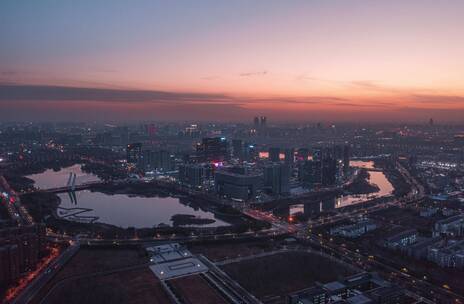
pixel 274 154
pixel 277 178
pixel 237 146
pixel 289 156
pixel 263 121
pixel 213 149
pixel 134 153
pixel 346 159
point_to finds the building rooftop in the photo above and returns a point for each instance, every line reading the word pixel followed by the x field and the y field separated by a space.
pixel 169 270
pixel 334 286
pixel 359 299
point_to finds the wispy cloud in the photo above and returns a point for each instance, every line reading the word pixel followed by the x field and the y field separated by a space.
pixel 252 74
pixel 11 92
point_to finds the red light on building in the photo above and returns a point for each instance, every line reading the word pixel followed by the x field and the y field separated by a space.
pixel 12 200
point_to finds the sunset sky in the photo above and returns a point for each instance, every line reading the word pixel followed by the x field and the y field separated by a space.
pixel 217 60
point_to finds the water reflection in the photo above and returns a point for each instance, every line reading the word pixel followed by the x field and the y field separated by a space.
pixel 129 211
pixel 119 210
pixel 375 177
pixel 54 179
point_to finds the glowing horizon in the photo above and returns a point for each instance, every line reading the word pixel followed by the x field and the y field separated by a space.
pixel 340 60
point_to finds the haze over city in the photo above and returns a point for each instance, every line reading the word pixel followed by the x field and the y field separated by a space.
pixel 231 152
pixel 391 61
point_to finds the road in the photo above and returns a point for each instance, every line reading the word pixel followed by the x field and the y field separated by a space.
pixel 241 294
pixel 421 288
pixel 39 282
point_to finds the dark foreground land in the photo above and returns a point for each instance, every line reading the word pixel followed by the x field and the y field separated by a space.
pixel 195 290
pixel 107 275
pixel 274 276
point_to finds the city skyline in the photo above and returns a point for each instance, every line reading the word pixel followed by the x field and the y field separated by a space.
pixel 298 61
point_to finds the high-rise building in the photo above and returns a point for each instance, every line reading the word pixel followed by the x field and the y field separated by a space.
pixel 194 175
pixel 277 178
pixel 256 122
pixel 329 171
pixel 318 154
pixel 274 154
pixel 263 121
pixel 213 149
pixel 237 186
pixel 134 153
pixel 303 154
pixel 346 159
pixel 310 172
pixel 237 146
pixel 289 156
pixel 20 250
pixel 249 152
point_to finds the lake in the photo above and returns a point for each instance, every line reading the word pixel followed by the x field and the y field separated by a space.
pixel 120 209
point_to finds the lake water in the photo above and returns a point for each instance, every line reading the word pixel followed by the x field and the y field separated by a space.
pixel 54 179
pixel 375 177
pixel 120 209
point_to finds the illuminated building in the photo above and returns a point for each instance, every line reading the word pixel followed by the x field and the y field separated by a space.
pixel 274 154
pixel 213 149
pixel 237 186
pixel 134 153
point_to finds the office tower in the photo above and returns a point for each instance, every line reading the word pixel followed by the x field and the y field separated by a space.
pixel 237 146
pixel 134 153
pixel 165 161
pixel 249 152
pixel 242 187
pixel 213 149
pixel 289 156
pixel 277 178
pixel 274 154
pixel 346 159
pixel 303 154
pixel 256 122
pixel 329 171
pixel 263 121
pixel 318 154
pixel 194 175
pixel 310 173
pixel 20 250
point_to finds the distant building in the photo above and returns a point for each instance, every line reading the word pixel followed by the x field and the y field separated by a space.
pixel 451 226
pixel 428 212
pixel 237 148
pixel 250 152
pixel 310 173
pixel 274 154
pixel 354 230
pixel 160 160
pixel 302 154
pixel 256 122
pixel 401 240
pixel 194 175
pixel 289 156
pixel 277 178
pixel 329 171
pixel 134 153
pixel 362 288
pixel 20 250
pixel 447 253
pixel 263 121
pixel 213 149
pixel 346 159
pixel 237 186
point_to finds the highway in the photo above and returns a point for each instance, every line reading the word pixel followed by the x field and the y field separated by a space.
pixel 49 272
